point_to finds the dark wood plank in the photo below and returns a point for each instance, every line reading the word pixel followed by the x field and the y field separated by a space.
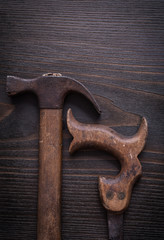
pixel 115 48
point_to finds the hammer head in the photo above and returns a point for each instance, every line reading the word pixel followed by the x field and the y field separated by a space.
pixel 50 89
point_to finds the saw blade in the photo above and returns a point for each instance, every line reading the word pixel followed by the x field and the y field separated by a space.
pixel 115 226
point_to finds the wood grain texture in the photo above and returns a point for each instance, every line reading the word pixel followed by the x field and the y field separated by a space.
pixel 115 48
pixel 50 166
pixel 115 191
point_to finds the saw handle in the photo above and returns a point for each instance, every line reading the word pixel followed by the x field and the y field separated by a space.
pixel 115 192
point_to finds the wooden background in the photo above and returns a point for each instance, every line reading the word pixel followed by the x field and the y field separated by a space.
pixel 115 48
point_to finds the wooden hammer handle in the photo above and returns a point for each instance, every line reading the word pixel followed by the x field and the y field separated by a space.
pixel 49 193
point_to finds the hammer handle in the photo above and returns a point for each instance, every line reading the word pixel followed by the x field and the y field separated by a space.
pixel 49 192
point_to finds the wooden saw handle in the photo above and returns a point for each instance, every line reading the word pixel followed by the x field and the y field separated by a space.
pixel 49 195
pixel 115 191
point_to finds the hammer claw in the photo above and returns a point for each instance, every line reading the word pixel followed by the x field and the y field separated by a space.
pixel 51 90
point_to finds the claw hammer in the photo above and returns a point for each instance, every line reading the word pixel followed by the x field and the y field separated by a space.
pixel 51 90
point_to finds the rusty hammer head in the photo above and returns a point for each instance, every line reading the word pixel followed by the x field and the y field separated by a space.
pixel 50 89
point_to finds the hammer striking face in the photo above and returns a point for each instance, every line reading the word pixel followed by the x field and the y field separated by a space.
pixel 51 90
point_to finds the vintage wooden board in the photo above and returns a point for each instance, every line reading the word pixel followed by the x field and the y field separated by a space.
pixel 115 48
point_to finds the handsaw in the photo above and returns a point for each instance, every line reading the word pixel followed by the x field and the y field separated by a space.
pixel 115 191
